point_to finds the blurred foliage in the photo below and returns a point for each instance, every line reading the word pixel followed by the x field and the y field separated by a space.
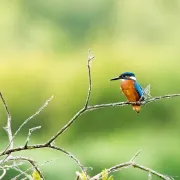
pixel 105 175
pixel 36 176
pixel 43 51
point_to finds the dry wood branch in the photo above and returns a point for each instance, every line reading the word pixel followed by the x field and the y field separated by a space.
pixel 39 146
pixel 4 159
pixel 100 106
pixel 30 132
pixel 129 164
pixel 3 173
pixel 28 119
pixel 80 112
pixel 31 168
pixel 31 161
pixel 8 126
pixel 90 58
pixel 49 144
pixel 70 155
pixel 67 125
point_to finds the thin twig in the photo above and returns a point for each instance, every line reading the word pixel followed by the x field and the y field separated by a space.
pixel 8 126
pixel 3 173
pixel 70 155
pixel 31 168
pixel 5 158
pixel 135 156
pixel 39 146
pixel 28 119
pixel 22 173
pixel 90 58
pixel 81 111
pixel 66 126
pixel 149 176
pixel 40 165
pixel 131 164
pixel 30 132
pixel 31 161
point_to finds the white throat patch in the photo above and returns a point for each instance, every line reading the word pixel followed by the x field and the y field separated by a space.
pixel 133 78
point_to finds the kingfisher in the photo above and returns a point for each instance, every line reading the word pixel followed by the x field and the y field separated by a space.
pixel 131 89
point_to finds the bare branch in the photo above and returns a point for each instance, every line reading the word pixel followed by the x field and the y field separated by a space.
pixel 31 161
pixel 161 176
pixel 39 146
pixel 80 176
pixel 49 143
pixel 48 161
pixel 30 132
pixel 67 125
pixel 28 119
pixel 135 156
pixel 35 114
pixel 5 158
pixel 8 126
pixel 90 58
pixel 3 173
pixel 100 106
pixel 80 112
pixel 131 164
pixel 31 168
pixel 161 97
pixel 149 176
pixel 70 155
pixel 22 172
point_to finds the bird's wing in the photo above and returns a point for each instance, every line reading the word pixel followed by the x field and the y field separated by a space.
pixel 139 90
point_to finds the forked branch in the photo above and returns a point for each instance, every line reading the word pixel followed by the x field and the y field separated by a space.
pixel 129 164
pixel 49 144
pixel 80 112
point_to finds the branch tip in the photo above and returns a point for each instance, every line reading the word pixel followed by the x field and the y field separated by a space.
pixel 90 56
pixel 135 156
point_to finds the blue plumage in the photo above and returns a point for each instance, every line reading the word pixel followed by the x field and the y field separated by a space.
pixel 139 90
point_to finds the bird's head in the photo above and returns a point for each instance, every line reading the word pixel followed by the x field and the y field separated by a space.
pixel 125 76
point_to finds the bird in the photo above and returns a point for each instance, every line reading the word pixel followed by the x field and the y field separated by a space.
pixel 131 89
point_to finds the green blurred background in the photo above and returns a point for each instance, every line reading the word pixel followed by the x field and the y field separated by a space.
pixel 43 51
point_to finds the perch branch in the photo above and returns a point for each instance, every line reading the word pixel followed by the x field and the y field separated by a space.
pixel 99 106
pixel 85 108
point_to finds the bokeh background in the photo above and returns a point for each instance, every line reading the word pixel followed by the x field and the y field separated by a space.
pixel 43 51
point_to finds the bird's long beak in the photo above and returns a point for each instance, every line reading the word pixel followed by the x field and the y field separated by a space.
pixel 116 78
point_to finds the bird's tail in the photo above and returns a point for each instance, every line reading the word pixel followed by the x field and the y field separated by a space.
pixel 136 108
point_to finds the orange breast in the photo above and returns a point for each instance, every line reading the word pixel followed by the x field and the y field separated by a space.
pixel 129 91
